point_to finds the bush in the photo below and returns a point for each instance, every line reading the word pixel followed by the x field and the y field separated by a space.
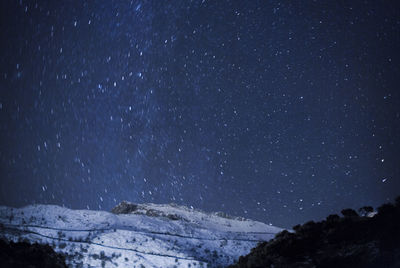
pixel 348 213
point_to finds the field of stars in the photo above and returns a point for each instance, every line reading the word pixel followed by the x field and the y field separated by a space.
pixel 277 111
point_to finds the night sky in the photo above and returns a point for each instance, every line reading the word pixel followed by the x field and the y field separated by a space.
pixel 278 111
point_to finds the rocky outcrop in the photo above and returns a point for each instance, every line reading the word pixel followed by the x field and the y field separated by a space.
pixel 348 241
pixel 124 207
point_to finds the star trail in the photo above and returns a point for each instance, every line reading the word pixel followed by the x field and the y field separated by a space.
pixel 278 111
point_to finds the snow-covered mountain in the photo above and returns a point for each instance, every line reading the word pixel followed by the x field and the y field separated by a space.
pixel 136 235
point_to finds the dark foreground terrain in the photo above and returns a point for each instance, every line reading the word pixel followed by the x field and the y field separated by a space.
pixel 23 254
pixel 354 240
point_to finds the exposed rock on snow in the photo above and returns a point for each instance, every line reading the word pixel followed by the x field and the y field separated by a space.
pixel 124 207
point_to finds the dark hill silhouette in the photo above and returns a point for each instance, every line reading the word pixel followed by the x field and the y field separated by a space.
pixel 370 240
pixel 23 254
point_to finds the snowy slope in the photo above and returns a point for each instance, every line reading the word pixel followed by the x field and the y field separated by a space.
pixel 152 235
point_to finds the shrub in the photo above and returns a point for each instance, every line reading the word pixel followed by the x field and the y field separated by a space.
pixel 348 213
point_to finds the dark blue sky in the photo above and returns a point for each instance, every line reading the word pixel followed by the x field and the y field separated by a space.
pixel 281 112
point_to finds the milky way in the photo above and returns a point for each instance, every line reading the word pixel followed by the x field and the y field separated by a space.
pixel 277 111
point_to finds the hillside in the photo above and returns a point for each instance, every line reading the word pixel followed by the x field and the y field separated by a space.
pixel 136 235
pixel 25 254
pixel 369 240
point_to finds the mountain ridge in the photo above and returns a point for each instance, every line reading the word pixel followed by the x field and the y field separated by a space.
pixel 153 235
